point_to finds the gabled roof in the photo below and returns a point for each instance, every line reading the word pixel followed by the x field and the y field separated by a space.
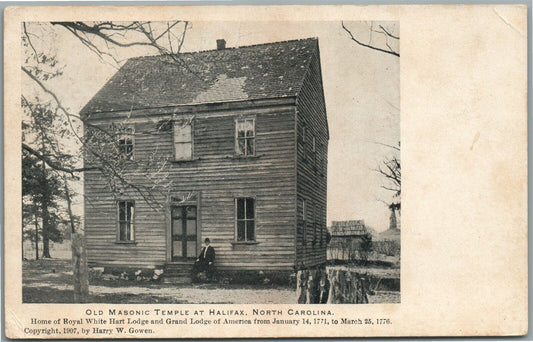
pixel 348 228
pixel 251 72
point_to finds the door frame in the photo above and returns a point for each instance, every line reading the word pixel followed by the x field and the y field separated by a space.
pixel 183 198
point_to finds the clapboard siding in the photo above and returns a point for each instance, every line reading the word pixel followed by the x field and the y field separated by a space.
pixel 282 172
pixel 219 177
pixel 312 169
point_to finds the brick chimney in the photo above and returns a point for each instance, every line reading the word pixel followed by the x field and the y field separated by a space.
pixel 221 44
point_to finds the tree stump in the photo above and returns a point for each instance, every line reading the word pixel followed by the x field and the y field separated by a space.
pixel 347 287
pixel 312 286
pixel 301 287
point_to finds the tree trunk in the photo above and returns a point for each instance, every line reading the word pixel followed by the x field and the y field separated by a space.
pixel 46 226
pixel 45 218
pixel 79 268
pixel 80 272
pixel 36 237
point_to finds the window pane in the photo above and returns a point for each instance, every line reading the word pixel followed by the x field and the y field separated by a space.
pixel 183 151
pixel 240 208
pixel 176 212
pixel 240 129
pixel 191 227
pixel 191 249
pixel 249 128
pixel 129 213
pixel 177 227
pixel 122 211
pixel 240 146
pixel 177 248
pixel 250 147
pixel 182 133
pixel 250 208
pixel 240 230
pixel 250 230
pixel 122 232
pixel 191 212
pixel 129 228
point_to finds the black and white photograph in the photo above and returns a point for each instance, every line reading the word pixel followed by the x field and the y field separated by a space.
pixel 191 171
pixel 211 162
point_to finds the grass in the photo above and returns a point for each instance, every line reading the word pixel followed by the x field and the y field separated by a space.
pixel 50 281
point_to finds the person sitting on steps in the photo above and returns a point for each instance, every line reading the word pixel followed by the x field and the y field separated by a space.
pixel 205 262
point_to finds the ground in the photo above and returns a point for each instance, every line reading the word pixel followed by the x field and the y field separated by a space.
pixel 49 281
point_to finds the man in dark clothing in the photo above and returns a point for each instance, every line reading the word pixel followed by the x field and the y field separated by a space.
pixel 205 261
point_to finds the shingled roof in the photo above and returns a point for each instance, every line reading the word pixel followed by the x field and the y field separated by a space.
pixel 348 228
pixel 250 72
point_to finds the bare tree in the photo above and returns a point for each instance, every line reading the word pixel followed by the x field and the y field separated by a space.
pixel 390 169
pixel 100 144
pixel 388 43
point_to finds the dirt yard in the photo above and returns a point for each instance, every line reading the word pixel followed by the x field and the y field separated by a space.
pixel 49 281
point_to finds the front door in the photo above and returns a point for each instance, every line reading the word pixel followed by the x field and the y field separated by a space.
pixel 184 232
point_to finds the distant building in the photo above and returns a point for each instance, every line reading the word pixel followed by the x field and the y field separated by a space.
pixel 346 239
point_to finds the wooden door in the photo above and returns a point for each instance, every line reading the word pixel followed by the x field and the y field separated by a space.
pixel 184 232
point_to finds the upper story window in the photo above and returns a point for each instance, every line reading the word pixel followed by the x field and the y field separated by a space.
pixel 126 142
pixel 125 227
pixel 245 137
pixel 245 219
pixel 182 132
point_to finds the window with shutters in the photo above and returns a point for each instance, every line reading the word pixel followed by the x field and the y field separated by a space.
pixel 245 137
pixel 244 219
pixel 183 141
pixel 125 228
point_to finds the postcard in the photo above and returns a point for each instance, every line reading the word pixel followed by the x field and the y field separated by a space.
pixel 236 171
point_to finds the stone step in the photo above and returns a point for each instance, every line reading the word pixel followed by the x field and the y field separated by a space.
pixel 177 274
pixel 177 280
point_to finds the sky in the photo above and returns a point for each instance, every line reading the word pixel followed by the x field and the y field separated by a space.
pixel 361 88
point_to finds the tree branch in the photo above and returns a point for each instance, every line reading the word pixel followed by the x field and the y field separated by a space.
pixel 394 53
pixel 388 33
pixel 56 166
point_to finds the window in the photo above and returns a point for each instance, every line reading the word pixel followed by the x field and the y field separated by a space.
pixel 182 140
pixel 245 137
pixel 125 143
pixel 245 219
pixel 125 221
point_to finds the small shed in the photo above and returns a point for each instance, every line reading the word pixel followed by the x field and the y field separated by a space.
pixel 347 238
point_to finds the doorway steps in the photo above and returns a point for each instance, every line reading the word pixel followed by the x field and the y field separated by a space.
pixel 178 272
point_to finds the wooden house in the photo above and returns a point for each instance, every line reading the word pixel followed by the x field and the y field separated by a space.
pixel 244 140
pixel 347 237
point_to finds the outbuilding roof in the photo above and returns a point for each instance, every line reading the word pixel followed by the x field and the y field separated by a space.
pixel 348 228
pixel 231 74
